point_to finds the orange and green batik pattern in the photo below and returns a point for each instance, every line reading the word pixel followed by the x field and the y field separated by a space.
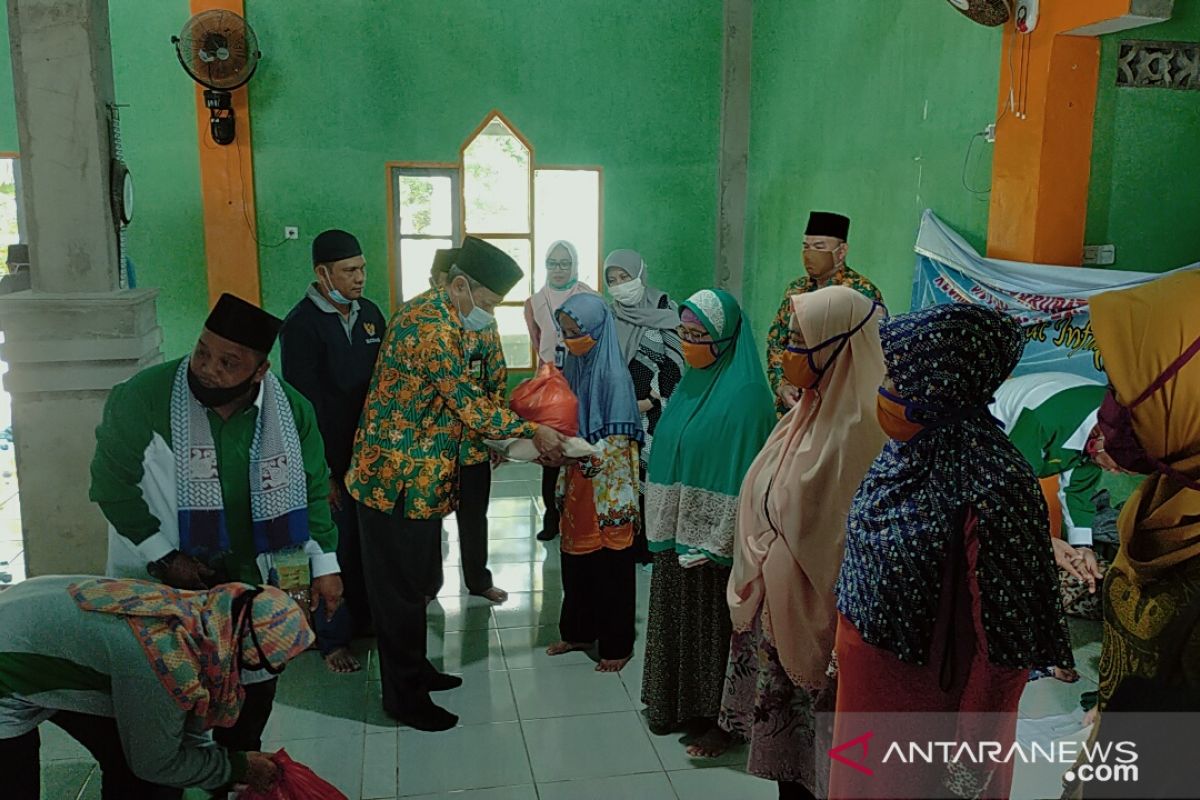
pixel 422 406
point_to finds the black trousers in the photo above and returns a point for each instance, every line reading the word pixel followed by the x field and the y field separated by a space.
pixel 549 488
pixel 398 557
pixel 354 585
pixel 600 601
pixel 246 733
pixel 22 764
pixel 474 494
pixel 793 790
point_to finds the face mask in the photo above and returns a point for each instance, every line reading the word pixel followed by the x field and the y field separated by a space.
pixel 701 355
pixel 1121 442
pixel 218 396
pixel 893 413
pixel 629 293
pixel 477 319
pixel 334 295
pixel 580 345
pixel 819 263
pixel 800 366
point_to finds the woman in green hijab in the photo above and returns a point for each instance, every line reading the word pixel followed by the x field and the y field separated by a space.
pixel 717 421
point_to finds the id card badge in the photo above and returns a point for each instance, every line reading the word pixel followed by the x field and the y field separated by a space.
pixel 560 357
pixel 475 368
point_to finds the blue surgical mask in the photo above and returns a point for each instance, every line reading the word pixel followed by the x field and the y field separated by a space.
pixel 477 319
pixel 337 297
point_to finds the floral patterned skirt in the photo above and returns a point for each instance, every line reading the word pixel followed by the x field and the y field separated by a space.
pixel 778 719
pixel 687 642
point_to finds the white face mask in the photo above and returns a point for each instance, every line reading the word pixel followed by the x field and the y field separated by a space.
pixel 629 293
pixel 477 319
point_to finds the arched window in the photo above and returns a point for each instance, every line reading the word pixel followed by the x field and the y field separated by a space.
pixel 499 193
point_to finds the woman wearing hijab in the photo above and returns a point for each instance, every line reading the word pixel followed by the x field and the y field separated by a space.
pixel 948 594
pixel 562 283
pixel 791 534
pixel 709 434
pixel 598 497
pixel 136 672
pixel 647 320
pixel 1149 338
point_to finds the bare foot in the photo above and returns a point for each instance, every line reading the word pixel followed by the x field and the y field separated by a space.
pixel 613 664
pixel 342 662
pixel 495 595
pixel 562 648
pixel 711 744
pixel 1064 674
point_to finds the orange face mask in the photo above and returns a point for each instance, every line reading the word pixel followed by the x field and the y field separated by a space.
pixel 580 345
pixel 893 417
pixel 699 355
pixel 798 370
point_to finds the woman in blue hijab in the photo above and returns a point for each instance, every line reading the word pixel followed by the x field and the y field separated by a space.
pixel 598 496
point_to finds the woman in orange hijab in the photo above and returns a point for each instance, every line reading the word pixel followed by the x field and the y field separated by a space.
pixel 1149 338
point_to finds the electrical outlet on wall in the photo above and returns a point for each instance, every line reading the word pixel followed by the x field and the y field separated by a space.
pixel 1100 255
pixel 291 232
pixel 989 133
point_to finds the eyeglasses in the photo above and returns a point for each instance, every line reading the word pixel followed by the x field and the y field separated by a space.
pixel 692 336
pixel 560 265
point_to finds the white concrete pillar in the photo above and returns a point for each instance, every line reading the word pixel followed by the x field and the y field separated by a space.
pixel 76 333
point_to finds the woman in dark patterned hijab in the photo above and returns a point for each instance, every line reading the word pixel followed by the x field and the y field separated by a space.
pixel 948 593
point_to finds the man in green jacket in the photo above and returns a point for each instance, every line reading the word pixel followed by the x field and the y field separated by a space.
pixel 209 469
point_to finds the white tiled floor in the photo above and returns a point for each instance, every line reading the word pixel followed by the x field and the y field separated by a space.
pixel 532 727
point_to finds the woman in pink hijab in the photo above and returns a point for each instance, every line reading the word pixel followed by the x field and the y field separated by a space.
pixel 790 538
pixel 562 282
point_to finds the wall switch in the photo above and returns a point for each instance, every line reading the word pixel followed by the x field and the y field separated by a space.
pixel 291 232
pixel 989 133
pixel 1100 255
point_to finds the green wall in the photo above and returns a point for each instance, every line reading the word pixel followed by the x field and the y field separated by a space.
pixel 631 85
pixel 1146 163
pixel 158 129
pixel 868 111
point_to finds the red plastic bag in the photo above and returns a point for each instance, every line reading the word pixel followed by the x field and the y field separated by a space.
pixel 296 782
pixel 547 399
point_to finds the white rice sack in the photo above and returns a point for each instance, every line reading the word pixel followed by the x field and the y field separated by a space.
pixel 524 449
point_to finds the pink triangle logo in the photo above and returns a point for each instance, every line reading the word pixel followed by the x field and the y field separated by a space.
pixel 837 753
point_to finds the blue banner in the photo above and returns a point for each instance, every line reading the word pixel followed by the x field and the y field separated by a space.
pixel 1050 302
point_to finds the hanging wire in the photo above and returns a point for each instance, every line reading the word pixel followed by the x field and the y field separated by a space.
pixel 250 226
pixel 118 152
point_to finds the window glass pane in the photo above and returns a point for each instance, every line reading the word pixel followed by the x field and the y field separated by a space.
pixel 416 261
pixel 514 336
pixel 8 203
pixel 520 251
pixel 567 207
pixel 425 206
pixel 496 182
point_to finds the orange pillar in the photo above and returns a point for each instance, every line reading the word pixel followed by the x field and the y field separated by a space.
pixel 227 191
pixel 1042 163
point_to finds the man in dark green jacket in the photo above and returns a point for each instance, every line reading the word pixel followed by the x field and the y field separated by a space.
pixel 209 469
